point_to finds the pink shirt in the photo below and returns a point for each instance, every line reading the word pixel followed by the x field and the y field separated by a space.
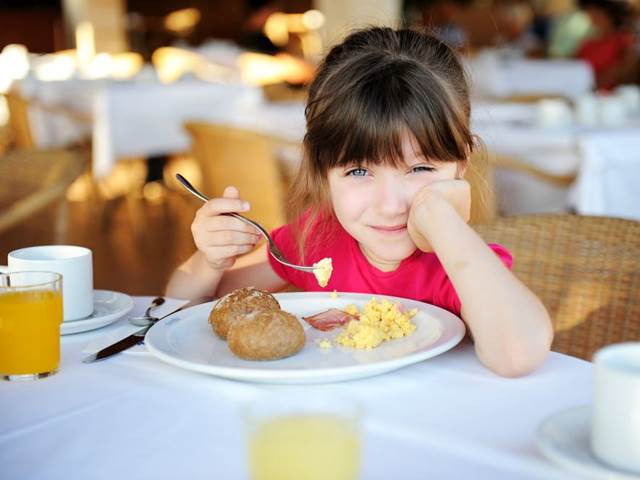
pixel 419 277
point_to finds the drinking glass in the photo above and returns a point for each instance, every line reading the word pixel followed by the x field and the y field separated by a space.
pixel 304 438
pixel 30 318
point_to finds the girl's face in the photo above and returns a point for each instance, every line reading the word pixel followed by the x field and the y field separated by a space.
pixel 372 202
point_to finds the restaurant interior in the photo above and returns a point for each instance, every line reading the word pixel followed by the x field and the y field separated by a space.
pixel 103 102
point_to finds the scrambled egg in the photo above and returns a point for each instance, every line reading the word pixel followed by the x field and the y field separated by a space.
pixel 379 322
pixel 334 294
pixel 324 344
pixel 322 270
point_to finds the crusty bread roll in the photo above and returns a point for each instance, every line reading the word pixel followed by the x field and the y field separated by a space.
pixel 236 305
pixel 266 335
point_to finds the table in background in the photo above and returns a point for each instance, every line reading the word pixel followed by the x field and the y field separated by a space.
pixel 502 73
pixel 132 416
pixel 143 117
pixel 605 160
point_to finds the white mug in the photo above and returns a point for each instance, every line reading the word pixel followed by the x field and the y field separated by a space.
pixel 588 110
pixel 553 113
pixel 615 431
pixel 613 112
pixel 75 264
pixel 630 97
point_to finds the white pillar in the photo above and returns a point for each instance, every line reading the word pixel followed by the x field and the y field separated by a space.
pixel 343 16
pixel 107 17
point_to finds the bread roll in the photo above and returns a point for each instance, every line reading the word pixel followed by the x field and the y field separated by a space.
pixel 266 335
pixel 236 305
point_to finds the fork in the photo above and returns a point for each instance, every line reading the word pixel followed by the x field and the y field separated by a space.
pixel 273 249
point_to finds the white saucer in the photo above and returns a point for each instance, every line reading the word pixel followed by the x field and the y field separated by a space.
pixel 108 307
pixel 564 439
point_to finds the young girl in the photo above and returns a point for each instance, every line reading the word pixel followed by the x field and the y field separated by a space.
pixel 386 147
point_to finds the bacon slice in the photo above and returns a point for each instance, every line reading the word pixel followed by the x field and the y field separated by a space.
pixel 329 319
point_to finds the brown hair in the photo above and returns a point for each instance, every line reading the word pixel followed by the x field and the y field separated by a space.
pixel 372 88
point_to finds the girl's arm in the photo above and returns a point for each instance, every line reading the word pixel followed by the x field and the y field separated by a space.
pixel 193 279
pixel 510 325
pixel 196 279
pixel 226 258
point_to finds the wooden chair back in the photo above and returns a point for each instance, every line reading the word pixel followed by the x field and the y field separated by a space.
pixel 19 125
pixel 246 160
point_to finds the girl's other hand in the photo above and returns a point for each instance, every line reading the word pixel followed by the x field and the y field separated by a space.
pixel 447 193
pixel 222 238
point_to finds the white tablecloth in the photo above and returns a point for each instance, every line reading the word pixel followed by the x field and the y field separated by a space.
pixel 132 416
pixel 609 175
pixel 606 160
pixel 143 117
pixel 497 74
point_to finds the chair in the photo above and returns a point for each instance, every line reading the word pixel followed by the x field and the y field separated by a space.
pixel 246 160
pixel 586 270
pixel 524 188
pixel 20 121
pixel 32 180
pixel 516 165
pixel 19 125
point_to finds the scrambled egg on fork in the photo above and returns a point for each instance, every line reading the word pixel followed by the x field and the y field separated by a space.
pixel 379 321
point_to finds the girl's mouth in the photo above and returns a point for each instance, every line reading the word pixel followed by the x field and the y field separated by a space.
pixel 389 229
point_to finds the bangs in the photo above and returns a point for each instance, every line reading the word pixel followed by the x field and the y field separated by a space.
pixel 369 120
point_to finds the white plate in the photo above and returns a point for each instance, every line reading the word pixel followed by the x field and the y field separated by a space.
pixel 186 340
pixel 564 439
pixel 108 307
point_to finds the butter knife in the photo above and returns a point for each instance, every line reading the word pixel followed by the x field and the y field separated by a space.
pixel 131 340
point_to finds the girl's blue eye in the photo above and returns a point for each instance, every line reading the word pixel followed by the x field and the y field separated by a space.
pixel 357 172
pixel 422 168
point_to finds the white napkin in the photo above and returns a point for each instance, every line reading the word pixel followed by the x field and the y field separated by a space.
pixel 125 328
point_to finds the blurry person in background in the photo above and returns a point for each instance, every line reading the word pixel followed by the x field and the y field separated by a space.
pixel 253 36
pixel 568 27
pixel 611 50
pixel 442 17
pixel 515 20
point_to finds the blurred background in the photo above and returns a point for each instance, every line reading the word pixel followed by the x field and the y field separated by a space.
pixel 103 101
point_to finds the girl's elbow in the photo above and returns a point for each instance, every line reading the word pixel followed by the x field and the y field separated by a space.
pixel 518 365
pixel 523 356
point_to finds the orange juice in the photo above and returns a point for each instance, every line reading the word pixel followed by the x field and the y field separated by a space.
pixel 30 331
pixel 305 447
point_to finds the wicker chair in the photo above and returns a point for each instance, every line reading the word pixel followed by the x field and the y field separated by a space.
pixel 247 160
pixel 586 270
pixel 33 180
pixel 19 121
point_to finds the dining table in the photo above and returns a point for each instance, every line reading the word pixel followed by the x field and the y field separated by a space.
pixel 135 416
pixel 603 159
pixel 144 117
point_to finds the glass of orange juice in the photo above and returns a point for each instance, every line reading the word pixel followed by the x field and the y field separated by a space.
pixel 294 437
pixel 30 318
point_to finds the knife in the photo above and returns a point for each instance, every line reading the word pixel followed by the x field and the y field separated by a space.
pixel 134 338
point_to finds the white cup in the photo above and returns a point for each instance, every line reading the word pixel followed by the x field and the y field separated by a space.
pixel 630 97
pixel 74 263
pixel 554 113
pixel 615 432
pixel 613 112
pixel 587 110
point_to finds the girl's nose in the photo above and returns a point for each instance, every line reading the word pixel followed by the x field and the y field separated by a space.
pixel 391 197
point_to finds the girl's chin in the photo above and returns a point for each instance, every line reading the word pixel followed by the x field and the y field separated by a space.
pixel 387 258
